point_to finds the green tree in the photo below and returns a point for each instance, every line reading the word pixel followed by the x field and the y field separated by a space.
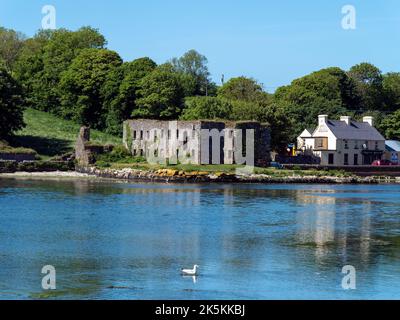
pixel 390 126
pixel 120 91
pixel 211 108
pixel 195 75
pixel 369 83
pixel 328 91
pixel 11 43
pixel 46 57
pixel 81 85
pixel 11 101
pixel 160 95
pixel 242 88
pixel 391 87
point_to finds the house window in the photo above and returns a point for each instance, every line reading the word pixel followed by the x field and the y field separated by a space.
pixel 134 152
pixel 141 152
pixel 141 134
pixel 346 159
pixel 319 143
pixel 155 135
pixel 346 144
pixel 177 134
pixel 356 159
pixel 169 134
pixel 185 138
pixel 134 135
pixel 331 158
pixel 156 153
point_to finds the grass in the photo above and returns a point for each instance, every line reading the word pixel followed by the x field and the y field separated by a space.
pixel 51 136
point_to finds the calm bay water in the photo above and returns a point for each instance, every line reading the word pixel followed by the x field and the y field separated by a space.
pixel 128 241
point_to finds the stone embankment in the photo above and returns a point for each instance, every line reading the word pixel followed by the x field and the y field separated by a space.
pixel 169 175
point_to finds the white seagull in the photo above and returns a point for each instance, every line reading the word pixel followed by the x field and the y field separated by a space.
pixel 190 272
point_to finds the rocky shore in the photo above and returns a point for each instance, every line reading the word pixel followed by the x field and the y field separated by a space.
pixel 174 176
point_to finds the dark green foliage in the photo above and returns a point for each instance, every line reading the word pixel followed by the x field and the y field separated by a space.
pixel 206 108
pixel 391 126
pixel 328 91
pixel 11 105
pixel 160 95
pixel 81 84
pixel 194 74
pixel 369 84
pixel 45 57
pixel 120 92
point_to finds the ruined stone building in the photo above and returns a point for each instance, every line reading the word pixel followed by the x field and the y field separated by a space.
pixel 198 142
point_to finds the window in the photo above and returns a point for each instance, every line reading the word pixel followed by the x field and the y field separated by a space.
pixel 356 159
pixel 134 135
pixel 169 134
pixel 134 152
pixel 155 135
pixel 346 144
pixel 177 134
pixel 331 158
pixel 141 134
pixel 141 152
pixel 319 143
pixel 376 145
pixel 185 138
pixel 346 159
pixel 156 153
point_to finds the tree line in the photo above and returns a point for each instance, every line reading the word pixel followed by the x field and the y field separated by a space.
pixel 73 75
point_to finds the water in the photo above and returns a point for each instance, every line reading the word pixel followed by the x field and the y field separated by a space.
pixel 128 241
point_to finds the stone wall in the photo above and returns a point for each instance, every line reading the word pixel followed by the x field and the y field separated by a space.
pixel 85 151
pixel 173 141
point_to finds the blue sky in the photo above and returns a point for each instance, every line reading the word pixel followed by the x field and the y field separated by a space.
pixel 271 41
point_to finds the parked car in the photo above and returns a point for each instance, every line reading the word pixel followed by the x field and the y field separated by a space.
pixel 378 163
pixel 276 165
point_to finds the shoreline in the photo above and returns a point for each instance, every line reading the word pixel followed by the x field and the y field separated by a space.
pixel 172 176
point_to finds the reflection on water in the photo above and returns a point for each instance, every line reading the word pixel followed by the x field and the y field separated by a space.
pixel 128 241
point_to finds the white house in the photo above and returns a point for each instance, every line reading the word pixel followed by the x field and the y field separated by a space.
pixel 343 142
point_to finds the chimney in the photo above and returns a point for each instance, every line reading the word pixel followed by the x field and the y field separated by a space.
pixel 346 119
pixel 369 120
pixel 322 119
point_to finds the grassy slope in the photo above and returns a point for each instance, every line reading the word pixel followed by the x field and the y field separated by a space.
pixel 51 136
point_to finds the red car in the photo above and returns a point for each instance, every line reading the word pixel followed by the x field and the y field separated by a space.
pixel 378 163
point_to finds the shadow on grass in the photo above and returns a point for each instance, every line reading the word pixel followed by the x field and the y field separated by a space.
pixel 44 146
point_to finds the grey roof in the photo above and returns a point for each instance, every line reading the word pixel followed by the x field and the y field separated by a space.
pixel 393 145
pixel 355 130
